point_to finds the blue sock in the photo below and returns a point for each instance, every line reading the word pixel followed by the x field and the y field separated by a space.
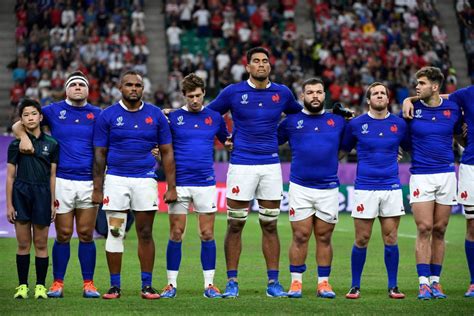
pixel 115 280
pixel 208 255
pixel 232 274
pixel 298 269
pixel 272 275
pixel 87 255
pixel 173 255
pixel 469 247
pixel 357 264
pixel 392 257
pixel 61 254
pixel 423 270
pixel 435 269
pixel 146 279
pixel 324 271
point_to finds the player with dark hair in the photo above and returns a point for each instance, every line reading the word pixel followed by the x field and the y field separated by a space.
pixel 193 128
pixel 314 137
pixel 254 171
pixel 71 123
pixel 124 136
pixel 30 197
pixel 464 98
pixel 433 181
pixel 377 136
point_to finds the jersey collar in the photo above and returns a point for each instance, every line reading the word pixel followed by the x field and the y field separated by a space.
pixel 250 83
pixel 305 111
pixel 77 106
pixel 126 109
pixel 372 116
pixel 185 107
pixel 429 106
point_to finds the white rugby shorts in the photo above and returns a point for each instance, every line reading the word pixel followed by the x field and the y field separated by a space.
pixel 73 194
pixel 373 203
pixel 438 187
pixel 202 198
pixel 124 193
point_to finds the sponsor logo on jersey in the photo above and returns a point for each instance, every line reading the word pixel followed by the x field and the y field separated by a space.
pixel 245 98
pixel 299 124
pixel 180 120
pixel 418 113
pixel 62 115
pixel 119 121
pixel 365 128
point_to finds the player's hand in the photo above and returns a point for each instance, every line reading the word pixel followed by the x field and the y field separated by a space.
pixel 170 196
pixel 339 109
pixel 407 109
pixel 97 196
pixel 53 213
pixel 229 144
pixel 166 111
pixel 11 214
pixel 156 153
pixel 26 146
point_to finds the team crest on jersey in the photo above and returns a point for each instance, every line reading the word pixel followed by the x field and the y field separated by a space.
pixel 394 128
pixel 447 113
pixel 365 128
pixel 119 121
pixel 90 116
pixel 62 115
pixel 418 113
pixel 45 150
pixel 149 120
pixel 299 124
pixel 331 122
pixel 180 120
pixel 245 98
pixel 276 98
pixel 208 121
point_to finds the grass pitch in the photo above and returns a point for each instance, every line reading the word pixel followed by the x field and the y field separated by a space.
pixel 252 277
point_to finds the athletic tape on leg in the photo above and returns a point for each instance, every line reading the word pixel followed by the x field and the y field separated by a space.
pixel 116 223
pixel 238 214
pixel 268 214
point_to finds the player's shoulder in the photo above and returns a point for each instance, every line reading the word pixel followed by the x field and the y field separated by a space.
pixel 52 106
pixel 112 109
pixel 214 114
pixel 178 112
pixel 294 116
pixel 336 118
pixel 279 87
pixel 94 109
pixel 450 104
pixel 361 119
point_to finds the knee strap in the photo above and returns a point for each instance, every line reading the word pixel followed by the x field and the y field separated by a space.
pixel 116 223
pixel 238 214
pixel 268 214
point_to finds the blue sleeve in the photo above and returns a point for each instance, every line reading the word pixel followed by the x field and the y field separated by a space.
pixel 101 131
pixel 292 106
pixel 348 140
pixel 222 133
pixel 46 115
pixel 406 139
pixel 164 132
pixel 283 132
pixel 460 97
pixel 222 102
pixel 458 125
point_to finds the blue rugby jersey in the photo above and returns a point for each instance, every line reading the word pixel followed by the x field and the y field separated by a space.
pixel 130 137
pixel 376 142
pixel 73 128
pixel 465 99
pixel 431 132
pixel 314 141
pixel 193 143
pixel 256 114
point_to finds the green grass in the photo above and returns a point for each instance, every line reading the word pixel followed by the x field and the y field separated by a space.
pixel 252 277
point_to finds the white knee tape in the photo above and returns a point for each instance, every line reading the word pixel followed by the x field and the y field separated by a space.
pixel 238 214
pixel 268 214
pixel 116 223
pixel 469 209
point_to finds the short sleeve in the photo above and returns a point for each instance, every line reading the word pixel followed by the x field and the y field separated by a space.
pixel 164 131
pixel 222 102
pixel 283 132
pixel 101 131
pixel 348 140
pixel 13 152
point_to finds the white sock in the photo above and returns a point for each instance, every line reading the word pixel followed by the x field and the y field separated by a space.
pixel 322 279
pixel 424 280
pixel 434 278
pixel 172 277
pixel 295 276
pixel 208 277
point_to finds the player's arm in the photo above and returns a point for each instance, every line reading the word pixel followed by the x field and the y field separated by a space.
pixel 224 136
pixel 167 158
pixel 26 146
pixel 282 132
pixel 348 142
pixel 407 107
pixel 98 171
pixel 52 185
pixel 11 172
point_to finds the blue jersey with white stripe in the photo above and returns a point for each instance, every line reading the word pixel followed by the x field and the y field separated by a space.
pixel 377 142
pixel 465 99
pixel 73 128
pixel 431 131
pixel 256 114
pixel 193 143
pixel 314 141
pixel 130 137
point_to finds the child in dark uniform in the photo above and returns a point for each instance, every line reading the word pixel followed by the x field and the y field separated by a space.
pixel 30 197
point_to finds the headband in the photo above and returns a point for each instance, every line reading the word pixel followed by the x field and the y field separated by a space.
pixel 76 78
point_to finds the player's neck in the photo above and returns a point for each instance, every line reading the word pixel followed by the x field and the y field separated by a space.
pixel 378 115
pixel 76 103
pixel 36 132
pixel 259 84
pixel 132 106
pixel 433 101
